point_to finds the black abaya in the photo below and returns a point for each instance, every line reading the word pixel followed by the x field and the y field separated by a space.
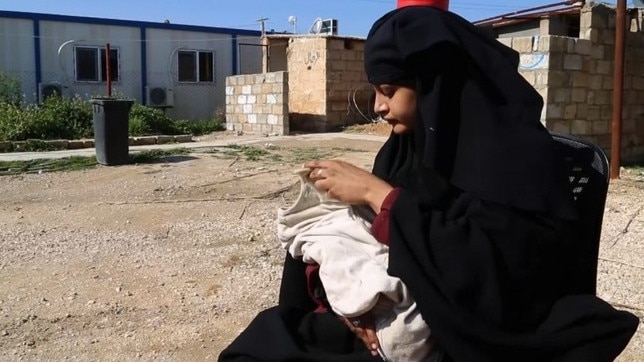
pixel 484 226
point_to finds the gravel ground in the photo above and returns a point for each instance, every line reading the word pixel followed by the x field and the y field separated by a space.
pixel 170 261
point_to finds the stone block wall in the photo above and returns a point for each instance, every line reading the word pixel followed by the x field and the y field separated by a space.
pixel 307 60
pixel 326 82
pixel 534 60
pixel 258 103
pixel 597 26
pixel 348 92
pixel 575 78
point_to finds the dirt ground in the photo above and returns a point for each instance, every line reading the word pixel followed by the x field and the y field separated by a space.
pixel 170 261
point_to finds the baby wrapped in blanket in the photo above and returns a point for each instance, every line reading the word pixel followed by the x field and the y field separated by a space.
pixel 353 269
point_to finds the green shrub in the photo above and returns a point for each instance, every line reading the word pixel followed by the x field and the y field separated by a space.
pixel 71 118
pixel 138 128
pixel 57 118
pixel 12 121
pixel 197 128
pixel 62 117
pixel 152 120
pixel 10 89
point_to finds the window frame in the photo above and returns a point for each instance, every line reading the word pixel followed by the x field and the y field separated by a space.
pixel 197 66
pixel 99 64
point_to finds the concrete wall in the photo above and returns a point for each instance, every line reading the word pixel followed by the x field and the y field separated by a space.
pixel 147 57
pixel 258 103
pixel 58 59
pixel 348 91
pixel 575 78
pixel 275 59
pixel 191 100
pixel 327 85
pixel 16 57
pixel 307 67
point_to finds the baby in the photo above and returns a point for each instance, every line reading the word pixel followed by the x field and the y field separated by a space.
pixel 353 269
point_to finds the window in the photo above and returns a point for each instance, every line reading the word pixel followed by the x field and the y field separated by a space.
pixel 196 66
pixel 91 65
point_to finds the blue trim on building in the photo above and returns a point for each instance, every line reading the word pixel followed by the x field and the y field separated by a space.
pixel 235 55
pixel 144 65
pixel 37 57
pixel 128 23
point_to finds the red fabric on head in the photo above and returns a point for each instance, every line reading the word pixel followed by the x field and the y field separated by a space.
pixel 440 4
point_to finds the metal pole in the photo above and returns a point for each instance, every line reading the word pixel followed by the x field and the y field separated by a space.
pixel 108 70
pixel 262 26
pixel 618 91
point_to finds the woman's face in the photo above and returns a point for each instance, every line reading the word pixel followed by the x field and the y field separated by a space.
pixel 397 105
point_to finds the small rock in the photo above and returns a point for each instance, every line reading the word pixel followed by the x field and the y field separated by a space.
pixel 4 333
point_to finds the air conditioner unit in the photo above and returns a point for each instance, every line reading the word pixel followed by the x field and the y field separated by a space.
pixel 46 90
pixel 159 97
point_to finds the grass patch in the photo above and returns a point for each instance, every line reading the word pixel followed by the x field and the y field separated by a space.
pixel 33 145
pixel 300 155
pixel 250 153
pixel 272 153
pixel 348 149
pixel 75 163
pixel 154 156
pixel 47 165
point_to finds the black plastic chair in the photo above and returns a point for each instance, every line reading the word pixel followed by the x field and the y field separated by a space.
pixel 588 172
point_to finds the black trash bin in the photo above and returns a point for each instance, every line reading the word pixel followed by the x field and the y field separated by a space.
pixel 111 130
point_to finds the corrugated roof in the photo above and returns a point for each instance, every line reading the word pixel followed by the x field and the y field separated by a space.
pixel 544 11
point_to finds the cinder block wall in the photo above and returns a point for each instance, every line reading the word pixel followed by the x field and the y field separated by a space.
pixel 575 78
pixel 327 85
pixel 307 60
pixel 348 92
pixel 258 103
pixel 598 26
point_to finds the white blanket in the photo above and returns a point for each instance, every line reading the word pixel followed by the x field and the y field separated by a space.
pixel 353 270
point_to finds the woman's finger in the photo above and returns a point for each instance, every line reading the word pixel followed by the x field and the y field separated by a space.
pixel 371 339
pixel 316 164
pixel 364 328
pixel 316 173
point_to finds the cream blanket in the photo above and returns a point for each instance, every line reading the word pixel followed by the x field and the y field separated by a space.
pixel 353 270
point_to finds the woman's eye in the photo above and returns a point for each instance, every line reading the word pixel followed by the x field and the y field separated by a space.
pixel 388 92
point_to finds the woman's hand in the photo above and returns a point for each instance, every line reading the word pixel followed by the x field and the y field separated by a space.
pixel 348 183
pixel 364 327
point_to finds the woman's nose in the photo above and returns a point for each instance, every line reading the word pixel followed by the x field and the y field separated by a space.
pixel 380 107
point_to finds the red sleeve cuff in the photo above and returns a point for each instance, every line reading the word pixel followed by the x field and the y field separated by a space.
pixel 380 226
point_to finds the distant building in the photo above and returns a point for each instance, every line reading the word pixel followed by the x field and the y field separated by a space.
pixel 311 83
pixel 179 68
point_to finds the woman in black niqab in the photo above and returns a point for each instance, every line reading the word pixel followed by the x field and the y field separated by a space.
pixel 483 228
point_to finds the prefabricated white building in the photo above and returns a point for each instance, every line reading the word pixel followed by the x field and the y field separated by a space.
pixel 179 68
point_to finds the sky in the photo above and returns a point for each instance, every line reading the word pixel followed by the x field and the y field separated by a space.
pixel 354 16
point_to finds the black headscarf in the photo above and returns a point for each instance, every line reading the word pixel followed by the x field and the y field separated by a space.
pixel 479 120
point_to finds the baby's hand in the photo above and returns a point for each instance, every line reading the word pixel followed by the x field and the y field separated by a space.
pixel 364 327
